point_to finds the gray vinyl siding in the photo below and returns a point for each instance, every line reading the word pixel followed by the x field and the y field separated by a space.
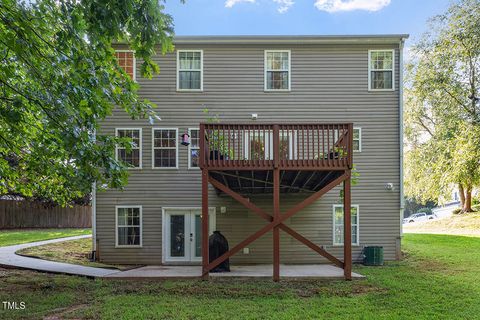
pixel 329 83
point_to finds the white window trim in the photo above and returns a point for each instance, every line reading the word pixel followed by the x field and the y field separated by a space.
pixel 370 70
pixel 333 224
pixel 201 71
pixel 289 71
pixel 359 139
pixel 190 149
pixel 116 226
pixel 140 147
pixel 134 63
pixel 212 224
pixel 153 149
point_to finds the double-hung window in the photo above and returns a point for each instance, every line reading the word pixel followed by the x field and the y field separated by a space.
pixel 132 157
pixel 165 148
pixel 381 64
pixel 128 226
pixel 193 148
pixel 126 61
pixel 190 70
pixel 277 70
pixel 357 139
pixel 338 219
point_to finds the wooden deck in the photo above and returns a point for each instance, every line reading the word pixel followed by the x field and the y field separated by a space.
pixel 245 159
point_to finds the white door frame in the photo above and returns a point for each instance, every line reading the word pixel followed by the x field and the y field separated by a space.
pixel 166 211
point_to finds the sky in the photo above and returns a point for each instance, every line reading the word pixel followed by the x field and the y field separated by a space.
pixel 304 17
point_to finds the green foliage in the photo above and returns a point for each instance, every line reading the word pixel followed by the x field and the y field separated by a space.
pixel 442 114
pixel 59 79
pixel 425 210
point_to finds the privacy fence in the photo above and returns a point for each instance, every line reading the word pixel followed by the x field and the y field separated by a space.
pixel 24 214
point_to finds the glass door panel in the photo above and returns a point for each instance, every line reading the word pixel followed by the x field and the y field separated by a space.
pixel 177 235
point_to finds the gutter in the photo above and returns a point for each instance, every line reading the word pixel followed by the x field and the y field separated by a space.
pixel 299 39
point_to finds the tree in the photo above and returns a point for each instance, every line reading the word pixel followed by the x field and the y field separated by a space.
pixel 442 110
pixel 59 79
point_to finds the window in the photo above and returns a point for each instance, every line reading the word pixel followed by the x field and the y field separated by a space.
pixel 190 70
pixel 193 148
pixel 129 226
pixel 132 158
pixel 381 70
pixel 357 139
pixel 126 61
pixel 165 148
pixel 277 70
pixel 338 224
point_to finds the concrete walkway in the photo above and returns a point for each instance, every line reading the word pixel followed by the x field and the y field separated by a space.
pixel 10 259
pixel 325 271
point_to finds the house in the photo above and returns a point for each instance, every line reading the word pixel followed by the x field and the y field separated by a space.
pixel 296 115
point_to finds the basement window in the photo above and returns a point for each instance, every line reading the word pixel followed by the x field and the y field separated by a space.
pixel 129 226
pixel 338 218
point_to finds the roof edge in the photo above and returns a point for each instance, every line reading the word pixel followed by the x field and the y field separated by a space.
pixel 300 39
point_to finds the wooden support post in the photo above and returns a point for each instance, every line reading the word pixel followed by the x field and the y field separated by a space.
pixel 205 257
pixel 276 203
pixel 347 231
pixel 276 230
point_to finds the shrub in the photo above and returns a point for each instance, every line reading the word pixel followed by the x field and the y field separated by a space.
pixel 425 210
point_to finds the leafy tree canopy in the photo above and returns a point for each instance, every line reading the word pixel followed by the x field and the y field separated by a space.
pixel 442 110
pixel 59 79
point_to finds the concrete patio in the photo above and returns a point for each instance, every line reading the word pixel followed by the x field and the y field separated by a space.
pixel 248 271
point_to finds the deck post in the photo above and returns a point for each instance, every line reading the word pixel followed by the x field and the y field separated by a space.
pixel 276 203
pixel 347 231
pixel 205 257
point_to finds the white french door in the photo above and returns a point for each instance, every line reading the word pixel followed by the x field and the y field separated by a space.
pixel 182 234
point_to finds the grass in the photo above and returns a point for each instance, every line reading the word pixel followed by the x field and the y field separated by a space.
pixel 457 224
pixel 438 279
pixel 73 251
pixel 18 236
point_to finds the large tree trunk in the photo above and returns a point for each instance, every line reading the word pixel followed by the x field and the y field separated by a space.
pixel 461 192
pixel 467 207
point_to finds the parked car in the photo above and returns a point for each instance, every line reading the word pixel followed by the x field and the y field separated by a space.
pixel 416 217
pixel 431 216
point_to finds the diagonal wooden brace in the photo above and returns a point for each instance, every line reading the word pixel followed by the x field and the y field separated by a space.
pixel 273 224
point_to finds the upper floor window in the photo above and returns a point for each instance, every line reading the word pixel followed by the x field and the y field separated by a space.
pixel 165 148
pixel 190 70
pixel 132 157
pixel 277 70
pixel 338 219
pixel 381 65
pixel 126 61
pixel 193 148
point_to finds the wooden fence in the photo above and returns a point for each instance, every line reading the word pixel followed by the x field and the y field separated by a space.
pixel 24 214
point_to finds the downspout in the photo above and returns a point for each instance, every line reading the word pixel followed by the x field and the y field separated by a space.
pixel 94 221
pixel 400 92
pixel 94 213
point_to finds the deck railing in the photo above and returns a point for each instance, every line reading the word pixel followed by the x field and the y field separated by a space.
pixel 258 146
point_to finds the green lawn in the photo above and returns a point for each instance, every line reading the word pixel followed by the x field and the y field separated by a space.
pixel 72 251
pixel 438 279
pixel 17 236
